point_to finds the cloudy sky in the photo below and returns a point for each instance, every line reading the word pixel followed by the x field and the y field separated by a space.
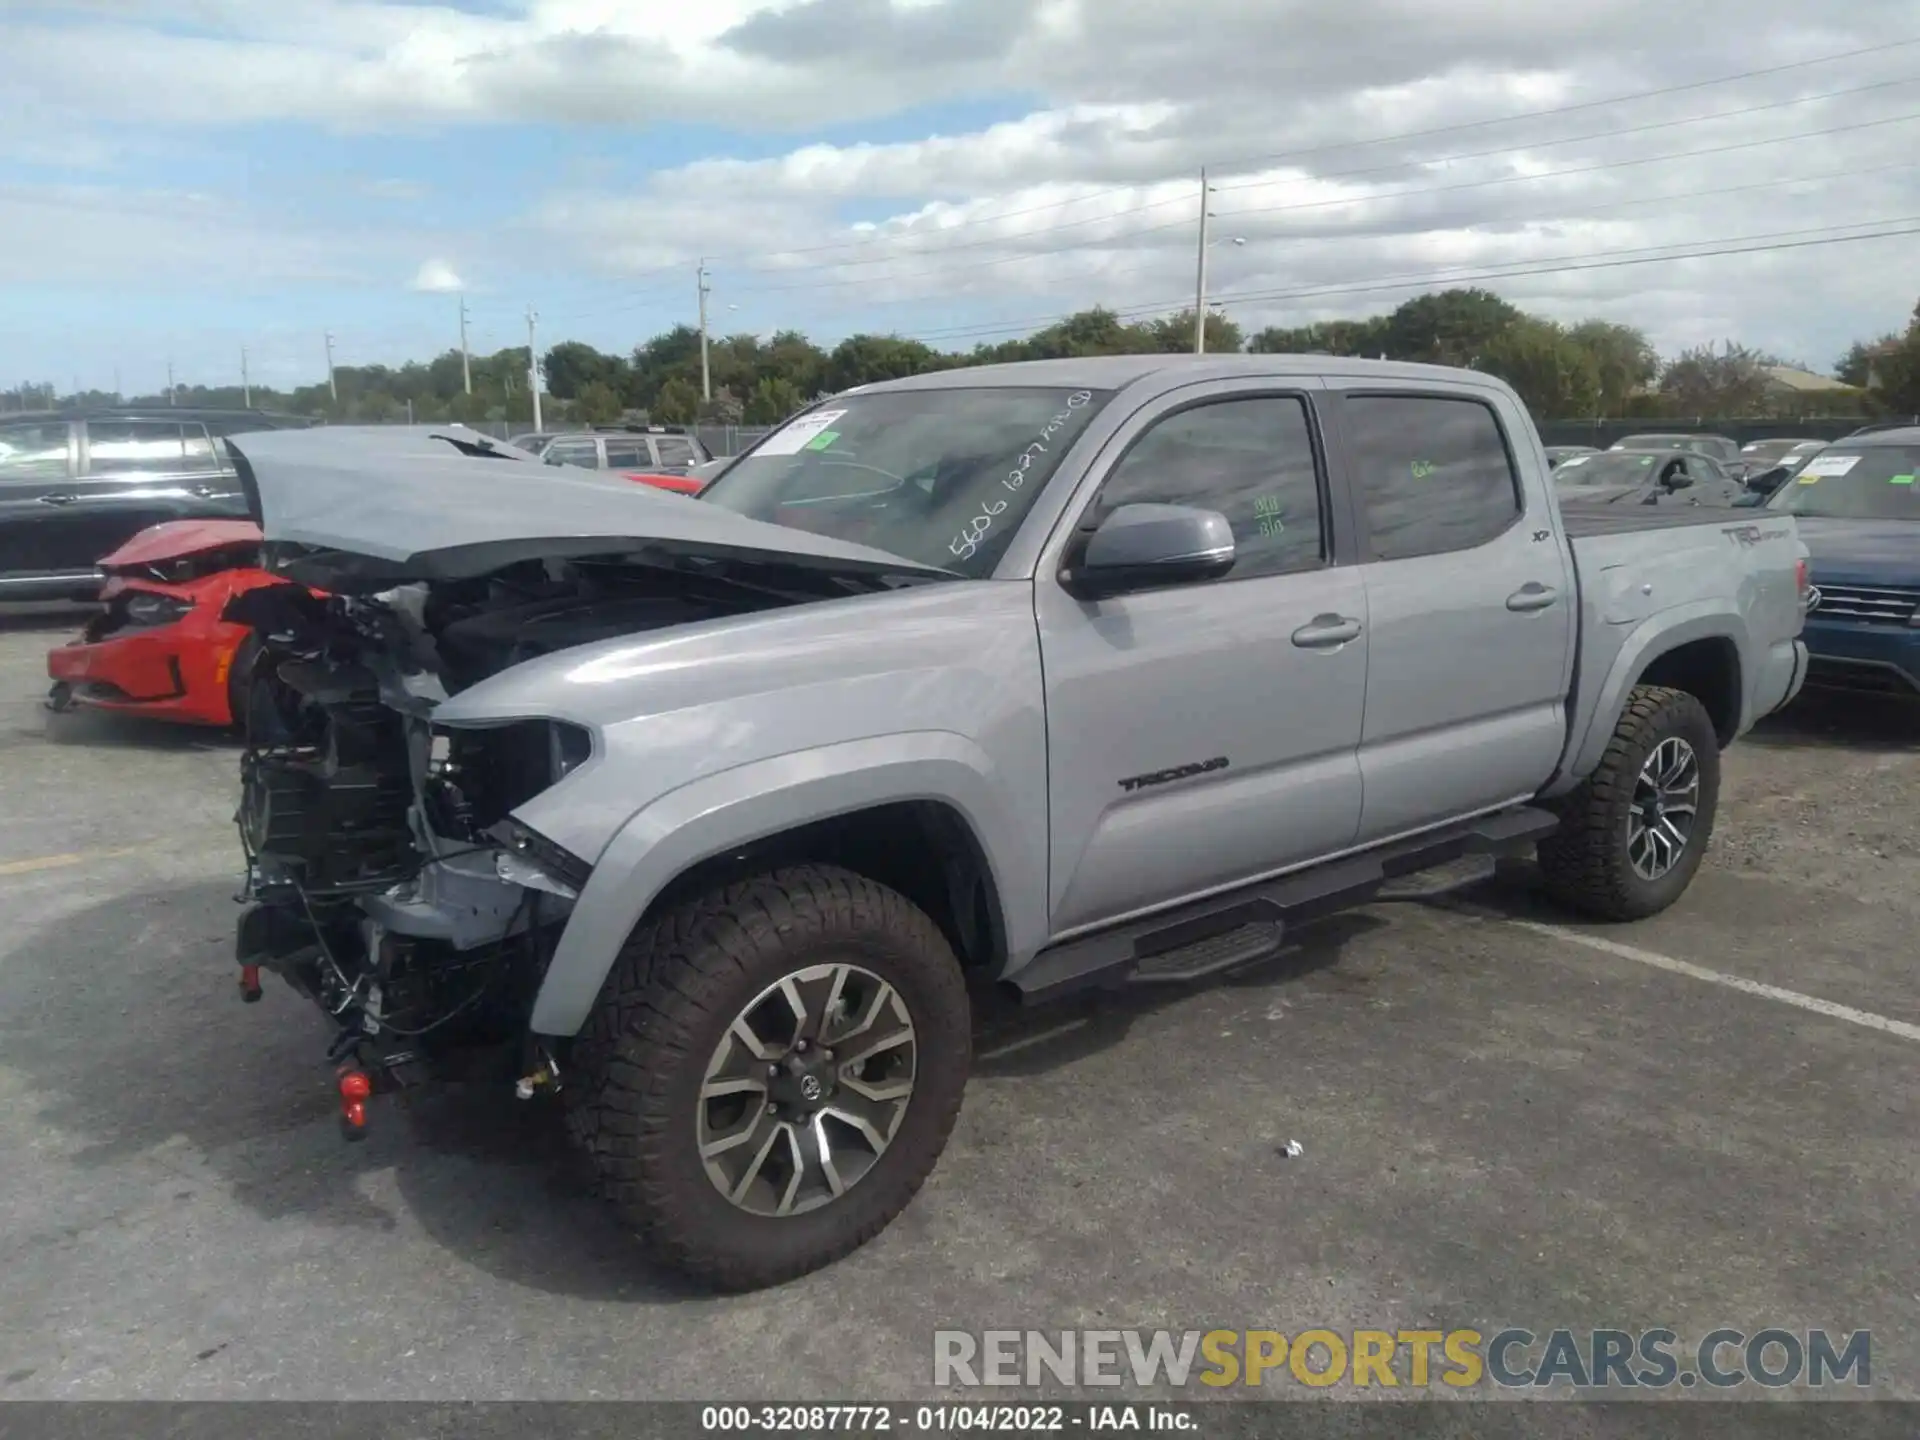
pixel 179 178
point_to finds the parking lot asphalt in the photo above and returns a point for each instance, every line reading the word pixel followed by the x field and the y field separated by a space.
pixel 1504 1118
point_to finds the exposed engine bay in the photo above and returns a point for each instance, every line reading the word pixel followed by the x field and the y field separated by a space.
pixel 387 879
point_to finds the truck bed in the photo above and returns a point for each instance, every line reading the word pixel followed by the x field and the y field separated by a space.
pixel 1586 521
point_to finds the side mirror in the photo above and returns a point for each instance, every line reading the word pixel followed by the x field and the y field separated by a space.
pixel 1143 547
pixel 1676 478
pixel 1767 481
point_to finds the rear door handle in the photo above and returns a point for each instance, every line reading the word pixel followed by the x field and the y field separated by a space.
pixel 64 498
pixel 1325 632
pixel 1532 596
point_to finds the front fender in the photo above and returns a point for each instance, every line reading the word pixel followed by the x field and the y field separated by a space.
pixel 1644 643
pixel 725 811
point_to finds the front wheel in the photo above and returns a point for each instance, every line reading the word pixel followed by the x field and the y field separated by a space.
pixel 772 1071
pixel 1633 833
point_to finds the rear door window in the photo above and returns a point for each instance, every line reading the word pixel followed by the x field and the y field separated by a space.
pixel 675 450
pixel 628 455
pixel 35 450
pixel 135 447
pixel 1434 470
pixel 573 452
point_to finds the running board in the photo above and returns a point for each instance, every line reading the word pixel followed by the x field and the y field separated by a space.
pixel 1208 937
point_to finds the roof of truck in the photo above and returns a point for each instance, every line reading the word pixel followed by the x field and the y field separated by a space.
pixel 1111 372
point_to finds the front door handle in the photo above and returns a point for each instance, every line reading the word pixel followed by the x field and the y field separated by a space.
pixel 1325 632
pixel 64 498
pixel 1532 596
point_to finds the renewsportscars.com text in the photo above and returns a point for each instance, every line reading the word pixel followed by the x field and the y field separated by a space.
pixel 1506 1359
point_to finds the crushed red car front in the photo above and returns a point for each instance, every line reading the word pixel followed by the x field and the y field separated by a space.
pixel 159 646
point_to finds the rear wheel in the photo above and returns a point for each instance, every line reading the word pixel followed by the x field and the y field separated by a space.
pixel 1633 833
pixel 772 1071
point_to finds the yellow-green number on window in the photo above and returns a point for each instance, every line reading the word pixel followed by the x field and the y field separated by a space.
pixel 1422 469
pixel 1266 509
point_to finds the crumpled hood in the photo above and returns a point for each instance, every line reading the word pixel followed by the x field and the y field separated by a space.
pixel 178 539
pixel 1864 551
pixel 366 507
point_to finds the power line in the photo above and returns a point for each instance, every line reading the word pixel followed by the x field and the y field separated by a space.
pixel 1368 170
pixel 1647 128
pixel 1384 140
pixel 1578 107
pixel 1594 260
pixel 1725 149
pixel 1584 211
pixel 1411 191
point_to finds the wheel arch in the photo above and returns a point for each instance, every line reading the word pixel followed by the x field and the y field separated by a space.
pixel 870 806
pixel 1696 649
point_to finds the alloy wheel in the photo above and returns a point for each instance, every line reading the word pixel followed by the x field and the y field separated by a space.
pixel 1666 805
pixel 806 1090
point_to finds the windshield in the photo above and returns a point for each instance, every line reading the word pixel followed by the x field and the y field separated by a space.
pixel 939 477
pixel 1614 467
pixel 1863 484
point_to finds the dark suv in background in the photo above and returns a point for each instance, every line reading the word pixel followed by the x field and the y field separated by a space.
pixel 76 484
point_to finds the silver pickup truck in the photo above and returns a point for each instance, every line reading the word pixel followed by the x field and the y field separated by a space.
pixel 703 813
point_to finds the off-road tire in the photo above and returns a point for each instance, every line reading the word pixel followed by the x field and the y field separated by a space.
pixel 677 985
pixel 1585 864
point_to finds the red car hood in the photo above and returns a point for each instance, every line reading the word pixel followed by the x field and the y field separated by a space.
pixel 177 539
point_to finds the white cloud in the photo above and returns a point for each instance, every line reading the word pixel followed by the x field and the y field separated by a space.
pixel 436 277
pixel 1092 196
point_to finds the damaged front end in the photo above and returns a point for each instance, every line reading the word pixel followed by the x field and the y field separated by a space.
pixel 386 879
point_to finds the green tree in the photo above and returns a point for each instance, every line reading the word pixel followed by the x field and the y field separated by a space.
pixel 1625 362
pixel 1365 338
pixel 1727 381
pixel 597 403
pixel 1896 372
pixel 677 403
pixel 572 367
pixel 863 359
pixel 1173 335
pixel 1448 327
pixel 1554 374
pixel 774 398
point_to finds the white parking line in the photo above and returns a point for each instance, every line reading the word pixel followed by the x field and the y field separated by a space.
pixel 1813 1003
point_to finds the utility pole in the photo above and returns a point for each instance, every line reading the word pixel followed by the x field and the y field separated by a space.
pixel 333 390
pixel 171 398
pixel 533 367
pixel 1200 281
pixel 246 382
pixel 466 364
pixel 706 376
pixel 116 383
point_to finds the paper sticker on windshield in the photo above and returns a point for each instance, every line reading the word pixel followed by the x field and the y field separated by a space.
pixel 1830 465
pixel 797 436
pixel 1573 460
pixel 823 440
pixel 1809 479
pixel 1900 479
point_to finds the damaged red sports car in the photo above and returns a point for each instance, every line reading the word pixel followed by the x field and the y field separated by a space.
pixel 159 647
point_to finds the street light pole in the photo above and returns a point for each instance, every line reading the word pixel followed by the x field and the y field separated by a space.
pixel 246 382
pixel 466 364
pixel 1200 280
pixel 533 368
pixel 171 398
pixel 333 389
pixel 706 375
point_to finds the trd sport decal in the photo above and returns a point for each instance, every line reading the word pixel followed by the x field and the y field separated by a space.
pixel 1178 772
